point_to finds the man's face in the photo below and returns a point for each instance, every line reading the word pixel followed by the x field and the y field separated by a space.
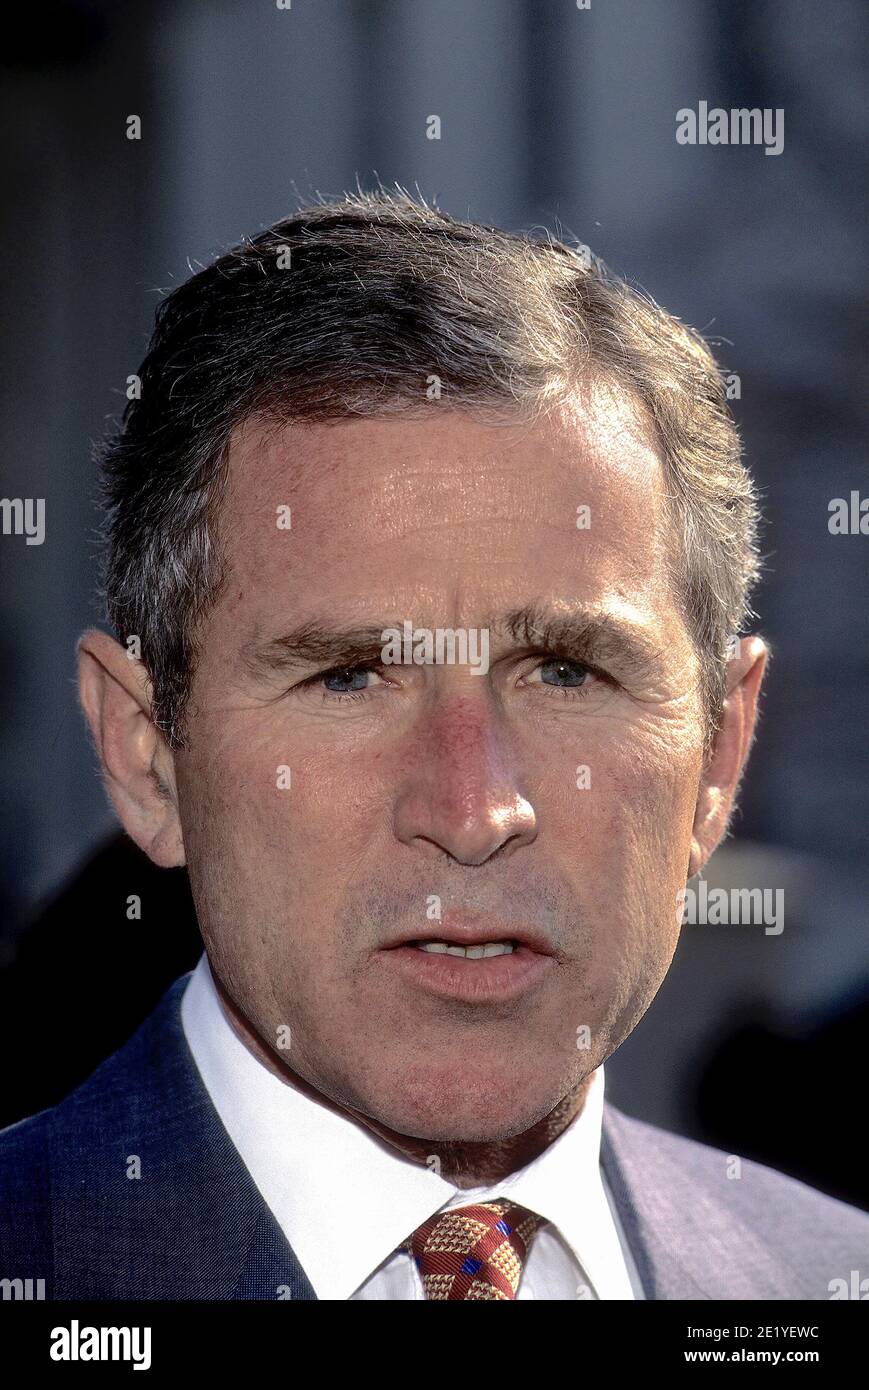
pixel 547 800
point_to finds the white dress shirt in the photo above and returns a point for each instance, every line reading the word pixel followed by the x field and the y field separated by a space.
pixel 346 1200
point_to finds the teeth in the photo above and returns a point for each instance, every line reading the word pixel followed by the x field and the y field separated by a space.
pixel 488 948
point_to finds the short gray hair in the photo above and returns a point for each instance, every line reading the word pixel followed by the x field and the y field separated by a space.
pixel 349 308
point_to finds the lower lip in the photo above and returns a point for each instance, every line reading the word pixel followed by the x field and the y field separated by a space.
pixel 476 979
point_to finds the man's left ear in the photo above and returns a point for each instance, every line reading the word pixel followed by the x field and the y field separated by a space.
pixel 724 766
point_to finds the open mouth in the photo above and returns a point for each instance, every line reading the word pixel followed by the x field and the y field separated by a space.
pixel 470 964
pixel 482 951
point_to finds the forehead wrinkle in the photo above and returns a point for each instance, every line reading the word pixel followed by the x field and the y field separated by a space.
pixel 271 456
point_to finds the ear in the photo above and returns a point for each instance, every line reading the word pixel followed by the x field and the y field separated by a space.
pixel 138 766
pixel 724 766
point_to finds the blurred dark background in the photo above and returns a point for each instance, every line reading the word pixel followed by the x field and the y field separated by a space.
pixel 551 117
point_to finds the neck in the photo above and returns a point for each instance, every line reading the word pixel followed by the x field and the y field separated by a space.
pixel 460 1163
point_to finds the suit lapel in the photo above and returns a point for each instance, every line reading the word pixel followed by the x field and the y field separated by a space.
pixel 689 1237
pixel 652 1228
pixel 151 1199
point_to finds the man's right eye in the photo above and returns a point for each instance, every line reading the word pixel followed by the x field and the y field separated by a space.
pixel 344 680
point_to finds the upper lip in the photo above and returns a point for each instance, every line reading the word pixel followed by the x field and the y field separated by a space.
pixel 475 933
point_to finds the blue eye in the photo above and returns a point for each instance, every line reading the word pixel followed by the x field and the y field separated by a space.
pixel 569 674
pixel 345 679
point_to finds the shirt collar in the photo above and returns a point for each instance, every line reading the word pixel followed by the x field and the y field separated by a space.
pixel 345 1199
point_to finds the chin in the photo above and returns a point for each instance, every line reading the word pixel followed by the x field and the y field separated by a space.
pixel 479 1105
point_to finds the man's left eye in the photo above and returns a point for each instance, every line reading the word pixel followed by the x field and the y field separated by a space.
pixel 567 675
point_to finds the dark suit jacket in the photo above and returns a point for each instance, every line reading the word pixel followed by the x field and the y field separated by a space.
pixel 194 1226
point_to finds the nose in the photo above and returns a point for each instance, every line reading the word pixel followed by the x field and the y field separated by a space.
pixel 462 791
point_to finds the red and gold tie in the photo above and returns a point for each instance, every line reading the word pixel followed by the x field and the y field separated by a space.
pixel 474 1252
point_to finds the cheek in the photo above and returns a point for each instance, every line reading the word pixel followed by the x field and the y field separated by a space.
pixel 625 839
pixel 269 825
pixel 636 801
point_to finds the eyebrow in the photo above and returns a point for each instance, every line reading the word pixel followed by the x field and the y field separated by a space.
pixel 588 637
pixel 591 637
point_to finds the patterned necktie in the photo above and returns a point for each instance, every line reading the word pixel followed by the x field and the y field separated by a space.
pixel 474 1252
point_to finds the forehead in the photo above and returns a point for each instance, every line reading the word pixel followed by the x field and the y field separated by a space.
pixel 383 508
